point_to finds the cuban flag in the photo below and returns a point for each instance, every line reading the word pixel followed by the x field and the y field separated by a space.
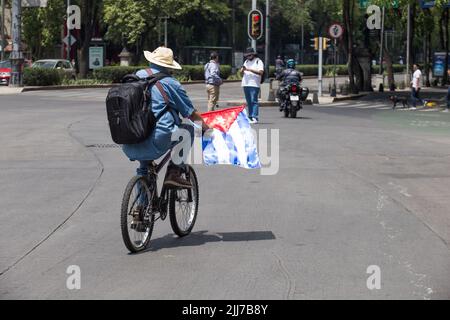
pixel 231 141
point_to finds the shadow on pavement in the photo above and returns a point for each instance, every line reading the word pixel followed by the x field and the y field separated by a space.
pixel 202 237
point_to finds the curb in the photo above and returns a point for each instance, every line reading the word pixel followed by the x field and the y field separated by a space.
pixel 262 104
pixel 104 86
pixel 350 97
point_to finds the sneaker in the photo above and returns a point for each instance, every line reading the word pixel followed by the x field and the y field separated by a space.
pixel 446 110
pixel 413 108
pixel 252 121
pixel 137 214
pixel 175 180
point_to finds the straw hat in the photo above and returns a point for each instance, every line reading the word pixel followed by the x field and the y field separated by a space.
pixel 162 57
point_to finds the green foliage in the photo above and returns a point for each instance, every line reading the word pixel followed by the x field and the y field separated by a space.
pixel 188 73
pixel 113 74
pixel 41 30
pixel 42 77
pixel 140 19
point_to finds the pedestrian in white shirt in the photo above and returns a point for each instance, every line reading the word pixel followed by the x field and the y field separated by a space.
pixel 252 72
pixel 416 86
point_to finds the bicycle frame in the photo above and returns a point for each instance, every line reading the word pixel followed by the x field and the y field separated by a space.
pixel 160 200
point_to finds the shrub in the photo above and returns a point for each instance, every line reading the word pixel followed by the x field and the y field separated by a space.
pixel 188 73
pixel 113 74
pixel 42 77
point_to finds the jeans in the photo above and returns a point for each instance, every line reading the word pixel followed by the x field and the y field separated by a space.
pixel 415 96
pixel 251 96
pixel 143 165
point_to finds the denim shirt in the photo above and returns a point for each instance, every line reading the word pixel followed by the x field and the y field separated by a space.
pixel 212 73
pixel 160 141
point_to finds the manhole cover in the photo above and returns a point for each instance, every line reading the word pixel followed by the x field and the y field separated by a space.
pixel 103 145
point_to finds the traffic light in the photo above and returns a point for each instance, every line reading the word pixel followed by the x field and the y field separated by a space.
pixel 315 44
pixel 255 24
pixel 325 43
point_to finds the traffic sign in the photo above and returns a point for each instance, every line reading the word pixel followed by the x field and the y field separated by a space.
pixel 336 31
pixel 72 40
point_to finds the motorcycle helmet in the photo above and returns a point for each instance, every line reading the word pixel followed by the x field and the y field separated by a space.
pixel 290 64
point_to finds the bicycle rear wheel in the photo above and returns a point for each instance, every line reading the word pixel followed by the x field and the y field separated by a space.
pixel 183 205
pixel 136 217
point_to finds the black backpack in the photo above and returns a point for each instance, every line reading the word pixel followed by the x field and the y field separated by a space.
pixel 130 116
pixel 263 77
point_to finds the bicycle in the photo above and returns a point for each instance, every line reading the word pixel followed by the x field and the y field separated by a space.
pixel 142 206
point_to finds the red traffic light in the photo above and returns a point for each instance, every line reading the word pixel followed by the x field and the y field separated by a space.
pixel 255 25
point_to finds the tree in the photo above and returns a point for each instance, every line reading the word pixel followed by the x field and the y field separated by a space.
pixel 90 18
pixel 42 28
pixel 444 35
pixel 348 11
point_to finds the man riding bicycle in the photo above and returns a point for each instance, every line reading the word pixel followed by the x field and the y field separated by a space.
pixel 160 141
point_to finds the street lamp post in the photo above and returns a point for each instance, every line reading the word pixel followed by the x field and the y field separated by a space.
pixel 2 28
pixel 253 40
pixel 267 52
pixel 408 46
pixel 381 41
pixel 165 31
pixel 16 55
pixel 69 34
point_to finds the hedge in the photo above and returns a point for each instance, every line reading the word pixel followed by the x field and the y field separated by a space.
pixel 42 77
pixel 189 72
pixel 341 69
pixel 113 74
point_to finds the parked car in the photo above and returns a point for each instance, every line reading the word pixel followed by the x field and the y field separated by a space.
pixel 5 72
pixel 64 65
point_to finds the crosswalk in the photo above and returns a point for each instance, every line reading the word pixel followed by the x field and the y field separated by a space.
pixel 371 105
pixel 70 95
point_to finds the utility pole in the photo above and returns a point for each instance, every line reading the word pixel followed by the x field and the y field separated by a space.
pixel 69 34
pixel 382 41
pixel 165 31
pixel 233 37
pixel 408 46
pixel 302 57
pixel 2 30
pixel 254 8
pixel 333 91
pixel 320 65
pixel 267 53
pixel 17 55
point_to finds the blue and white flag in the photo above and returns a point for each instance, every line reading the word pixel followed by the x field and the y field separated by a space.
pixel 231 141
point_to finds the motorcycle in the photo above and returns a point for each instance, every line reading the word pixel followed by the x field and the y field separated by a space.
pixel 291 99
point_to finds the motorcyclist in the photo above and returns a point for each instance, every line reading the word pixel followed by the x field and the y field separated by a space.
pixel 289 75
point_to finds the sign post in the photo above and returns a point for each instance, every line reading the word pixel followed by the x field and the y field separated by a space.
pixel 73 23
pixel 335 31
pixel 320 66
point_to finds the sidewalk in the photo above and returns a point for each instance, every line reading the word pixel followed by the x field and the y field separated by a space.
pixel 10 90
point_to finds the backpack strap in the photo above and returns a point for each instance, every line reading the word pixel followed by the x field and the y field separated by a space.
pixel 159 76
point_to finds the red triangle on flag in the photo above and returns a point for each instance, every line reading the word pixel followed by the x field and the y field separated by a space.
pixel 222 119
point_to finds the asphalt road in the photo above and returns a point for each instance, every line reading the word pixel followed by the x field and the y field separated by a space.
pixel 358 185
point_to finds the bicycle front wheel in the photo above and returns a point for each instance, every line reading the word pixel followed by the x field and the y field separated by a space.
pixel 183 205
pixel 136 217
